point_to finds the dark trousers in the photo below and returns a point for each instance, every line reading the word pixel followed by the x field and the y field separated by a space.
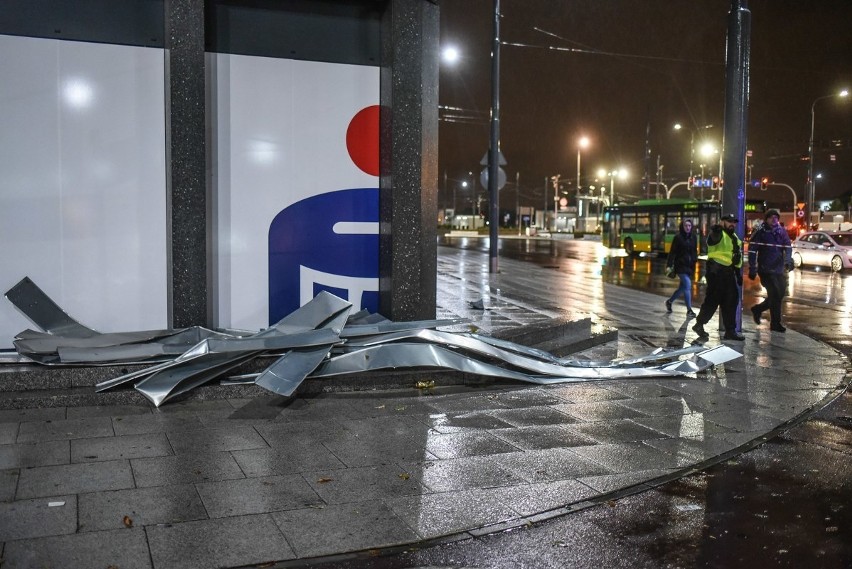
pixel 722 293
pixel 776 287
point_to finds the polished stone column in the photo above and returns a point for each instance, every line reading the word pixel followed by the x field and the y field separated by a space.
pixel 188 216
pixel 409 160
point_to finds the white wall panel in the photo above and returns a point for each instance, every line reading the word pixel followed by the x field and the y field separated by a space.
pixel 82 181
pixel 279 136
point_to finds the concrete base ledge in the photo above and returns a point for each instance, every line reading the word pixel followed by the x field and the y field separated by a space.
pixel 36 386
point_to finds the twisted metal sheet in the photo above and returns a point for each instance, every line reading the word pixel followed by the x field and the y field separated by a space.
pixel 320 339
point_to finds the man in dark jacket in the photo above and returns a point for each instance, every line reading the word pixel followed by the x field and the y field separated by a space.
pixel 770 256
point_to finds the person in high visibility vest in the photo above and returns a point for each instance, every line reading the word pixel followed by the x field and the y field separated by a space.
pixel 724 272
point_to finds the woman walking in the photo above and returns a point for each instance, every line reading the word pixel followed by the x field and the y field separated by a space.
pixel 681 260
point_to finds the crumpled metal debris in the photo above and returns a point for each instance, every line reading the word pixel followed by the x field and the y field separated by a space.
pixel 320 339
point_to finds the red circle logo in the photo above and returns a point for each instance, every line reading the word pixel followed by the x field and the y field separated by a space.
pixel 362 140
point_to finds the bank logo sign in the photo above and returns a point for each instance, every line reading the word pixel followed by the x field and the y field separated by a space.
pixel 325 242
pixel 297 172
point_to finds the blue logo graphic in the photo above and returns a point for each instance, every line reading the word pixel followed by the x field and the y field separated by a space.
pixel 325 242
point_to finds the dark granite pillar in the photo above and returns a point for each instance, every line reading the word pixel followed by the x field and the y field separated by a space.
pixel 185 163
pixel 409 160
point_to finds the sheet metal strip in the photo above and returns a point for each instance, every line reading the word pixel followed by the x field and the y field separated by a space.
pixel 290 370
pixel 403 356
pixel 40 309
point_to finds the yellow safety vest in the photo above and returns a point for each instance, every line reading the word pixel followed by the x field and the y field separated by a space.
pixel 722 251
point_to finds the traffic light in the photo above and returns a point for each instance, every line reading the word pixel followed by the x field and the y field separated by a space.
pixel 715 183
pixel 764 182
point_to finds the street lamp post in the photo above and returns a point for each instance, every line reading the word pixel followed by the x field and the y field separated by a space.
pixel 621 173
pixel 811 197
pixel 581 144
pixel 494 147
pixel 518 201
pixel 555 181
pixel 679 126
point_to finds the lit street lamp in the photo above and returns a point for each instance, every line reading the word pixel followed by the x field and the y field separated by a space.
pixel 809 201
pixel 621 173
pixel 707 150
pixel 450 54
pixel 581 144
pixel 679 126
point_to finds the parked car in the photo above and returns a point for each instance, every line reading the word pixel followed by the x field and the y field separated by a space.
pixel 824 248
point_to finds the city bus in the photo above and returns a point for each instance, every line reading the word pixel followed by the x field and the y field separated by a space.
pixel 648 226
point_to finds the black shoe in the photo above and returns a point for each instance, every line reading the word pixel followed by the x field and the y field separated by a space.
pixel 668 306
pixel 755 311
pixel 777 328
pixel 734 336
pixel 690 313
pixel 698 328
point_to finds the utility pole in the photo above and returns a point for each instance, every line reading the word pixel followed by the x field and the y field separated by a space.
pixel 494 147
pixel 518 201
pixel 735 134
pixel 659 178
pixel 445 194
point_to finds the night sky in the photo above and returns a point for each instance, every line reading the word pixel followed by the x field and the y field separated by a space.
pixel 655 62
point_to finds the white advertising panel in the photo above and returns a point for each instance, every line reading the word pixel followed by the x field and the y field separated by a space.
pixel 295 185
pixel 82 181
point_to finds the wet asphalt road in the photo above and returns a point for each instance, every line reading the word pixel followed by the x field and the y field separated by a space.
pixel 787 503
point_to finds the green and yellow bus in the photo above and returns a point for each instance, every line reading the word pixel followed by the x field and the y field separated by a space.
pixel 648 226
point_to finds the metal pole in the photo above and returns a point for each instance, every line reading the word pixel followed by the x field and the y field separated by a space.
pixel 809 202
pixel 692 151
pixel 544 219
pixel 518 201
pixel 795 198
pixel 578 171
pixel 810 188
pixel 735 133
pixel 445 194
pixel 659 178
pixel 494 148
pixel 673 188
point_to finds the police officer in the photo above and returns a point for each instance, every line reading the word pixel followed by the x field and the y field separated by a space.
pixel 724 277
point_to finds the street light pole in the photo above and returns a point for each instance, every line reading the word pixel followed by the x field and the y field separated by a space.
pixel 811 193
pixel 581 144
pixel 494 146
pixel 578 169
pixel 611 188
pixel 691 151
pixel 518 201
pixel 679 126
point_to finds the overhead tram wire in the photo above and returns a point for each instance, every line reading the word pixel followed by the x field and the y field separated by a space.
pixel 588 50
pixel 609 53
pixel 462 115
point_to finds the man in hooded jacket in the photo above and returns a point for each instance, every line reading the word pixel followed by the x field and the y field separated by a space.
pixel 770 257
